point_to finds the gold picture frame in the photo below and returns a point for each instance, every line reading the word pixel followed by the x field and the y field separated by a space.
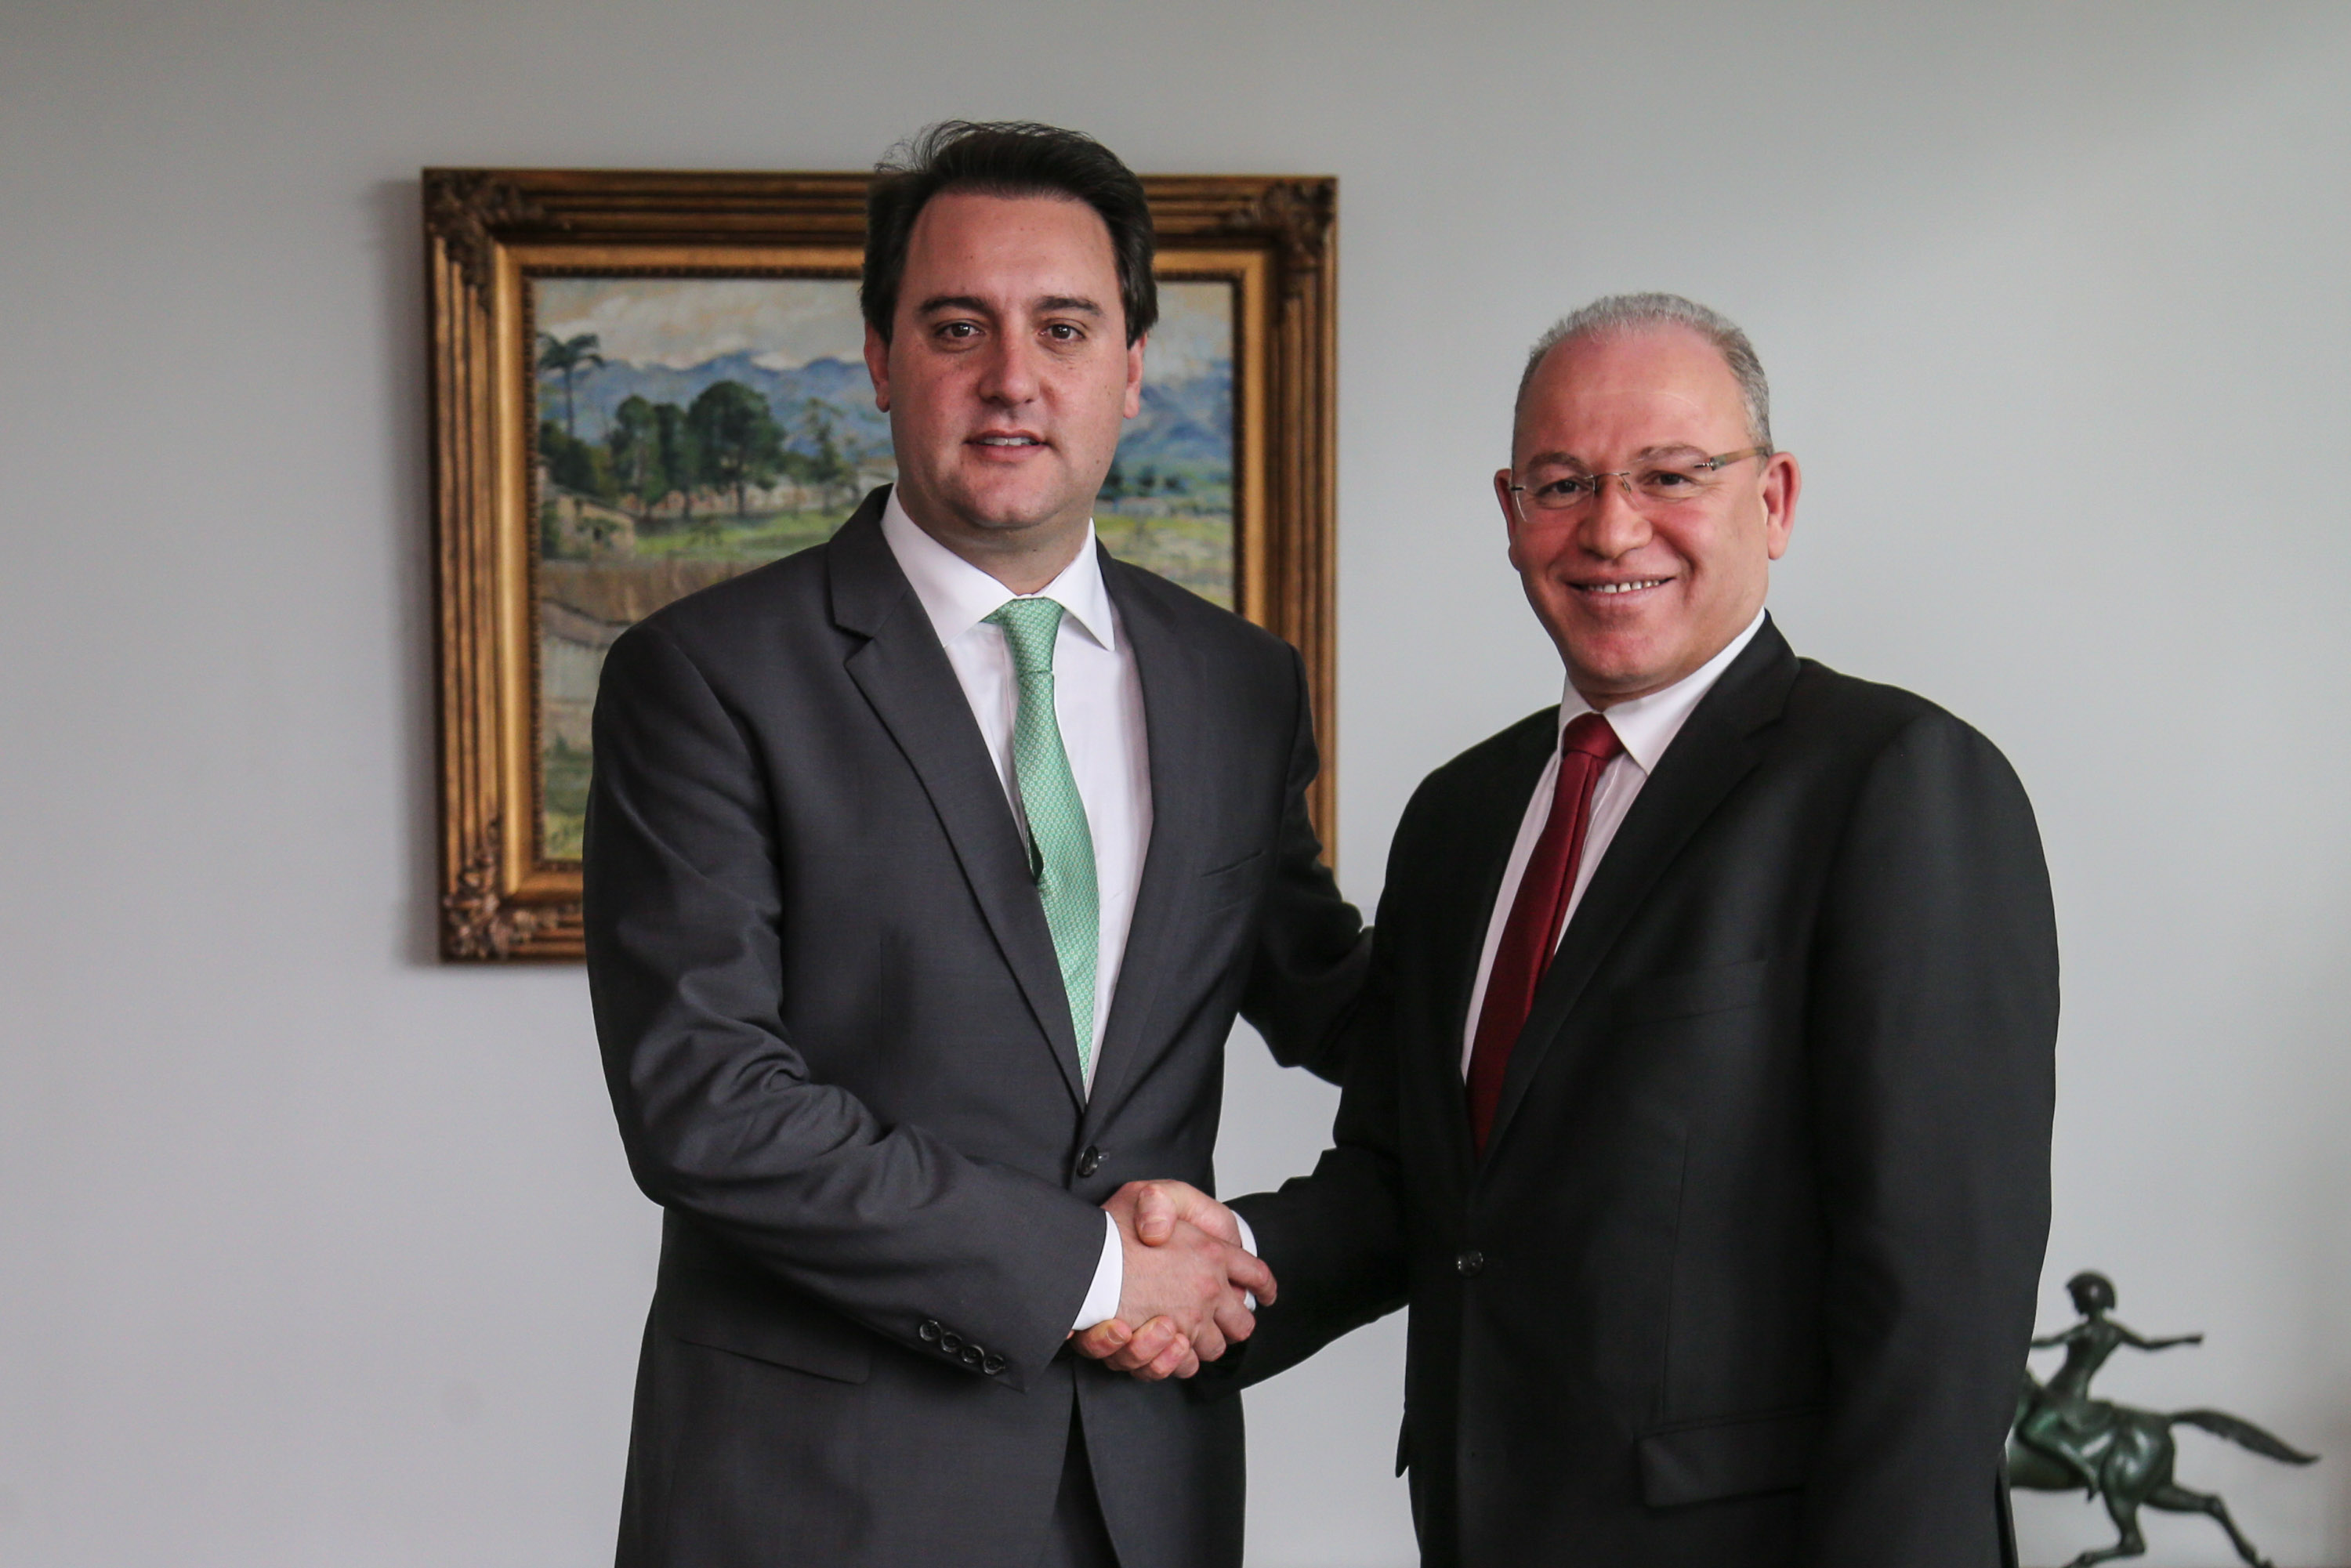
pixel 502 244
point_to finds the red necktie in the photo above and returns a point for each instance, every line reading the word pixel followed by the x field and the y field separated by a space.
pixel 1536 915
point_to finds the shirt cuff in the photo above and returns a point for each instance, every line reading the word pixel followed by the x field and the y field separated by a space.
pixel 1110 1282
pixel 1249 1245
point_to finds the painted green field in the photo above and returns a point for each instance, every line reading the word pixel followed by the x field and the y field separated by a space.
pixel 563 774
pixel 1196 550
pixel 756 538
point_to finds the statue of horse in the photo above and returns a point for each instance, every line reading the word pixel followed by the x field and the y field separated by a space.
pixel 2065 1441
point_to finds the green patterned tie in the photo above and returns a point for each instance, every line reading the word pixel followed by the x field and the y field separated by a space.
pixel 1061 845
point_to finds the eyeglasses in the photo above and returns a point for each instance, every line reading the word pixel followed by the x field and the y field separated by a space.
pixel 1670 479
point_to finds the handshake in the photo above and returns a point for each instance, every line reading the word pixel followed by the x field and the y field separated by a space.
pixel 1188 1283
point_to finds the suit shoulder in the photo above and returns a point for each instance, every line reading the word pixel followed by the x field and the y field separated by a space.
pixel 1867 718
pixel 713 618
pixel 1198 621
pixel 1823 696
pixel 1518 749
pixel 1505 748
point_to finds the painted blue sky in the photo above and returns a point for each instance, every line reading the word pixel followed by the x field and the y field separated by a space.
pixel 783 323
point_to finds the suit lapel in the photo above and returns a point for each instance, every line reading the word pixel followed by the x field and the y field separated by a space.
pixel 905 676
pixel 1183 774
pixel 1715 749
pixel 1488 828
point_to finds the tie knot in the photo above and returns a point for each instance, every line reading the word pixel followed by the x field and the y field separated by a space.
pixel 1029 627
pixel 1592 734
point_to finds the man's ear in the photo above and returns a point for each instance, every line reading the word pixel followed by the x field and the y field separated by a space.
pixel 1782 479
pixel 877 365
pixel 1133 404
pixel 1510 512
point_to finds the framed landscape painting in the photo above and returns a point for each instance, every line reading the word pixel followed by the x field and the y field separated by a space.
pixel 643 383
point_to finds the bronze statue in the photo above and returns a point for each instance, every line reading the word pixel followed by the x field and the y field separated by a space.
pixel 2066 1440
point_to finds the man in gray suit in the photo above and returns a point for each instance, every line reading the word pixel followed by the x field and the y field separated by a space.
pixel 926 872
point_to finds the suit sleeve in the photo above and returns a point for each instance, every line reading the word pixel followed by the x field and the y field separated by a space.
pixel 1333 1238
pixel 1336 1238
pixel 1933 1041
pixel 720 1116
pixel 1312 950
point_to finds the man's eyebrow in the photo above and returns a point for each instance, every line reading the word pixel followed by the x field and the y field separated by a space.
pixel 1570 460
pixel 978 306
pixel 1554 460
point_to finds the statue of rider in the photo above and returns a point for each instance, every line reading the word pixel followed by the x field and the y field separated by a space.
pixel 2065 1423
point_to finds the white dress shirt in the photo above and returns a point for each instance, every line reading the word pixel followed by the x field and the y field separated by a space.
pixel 1646 726
pixel 1098 701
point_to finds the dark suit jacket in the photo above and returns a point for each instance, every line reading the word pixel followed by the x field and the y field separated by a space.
pixel 838 1046
pixel 1747 1273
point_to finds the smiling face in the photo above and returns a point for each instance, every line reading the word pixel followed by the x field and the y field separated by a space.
pixel 1639 593
pixel 1007 377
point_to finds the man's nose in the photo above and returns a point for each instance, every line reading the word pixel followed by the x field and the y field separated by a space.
pixel 1614 526
pixel 1009 377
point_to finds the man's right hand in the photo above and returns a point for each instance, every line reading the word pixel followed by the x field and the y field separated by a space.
pixel 1154 1209
pixel 1176 1237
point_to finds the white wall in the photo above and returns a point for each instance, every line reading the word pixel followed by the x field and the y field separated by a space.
pixel 315 1252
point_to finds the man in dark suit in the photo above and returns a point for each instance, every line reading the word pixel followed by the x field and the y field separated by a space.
pixel 926 872
pixel 1701 1111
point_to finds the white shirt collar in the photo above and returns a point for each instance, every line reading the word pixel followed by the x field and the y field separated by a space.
pixel 958 596
pixel 1647 725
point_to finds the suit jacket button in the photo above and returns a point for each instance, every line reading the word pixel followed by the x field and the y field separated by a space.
pixel 1089 1161
pixel 951 1342
pixel 1470 1264
pixel 971 1356
pixel 929 1331
pixel 991 1363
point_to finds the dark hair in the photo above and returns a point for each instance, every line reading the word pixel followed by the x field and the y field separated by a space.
pixel 1005 159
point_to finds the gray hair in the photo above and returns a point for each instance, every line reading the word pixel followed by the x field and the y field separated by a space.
pixel 1619 313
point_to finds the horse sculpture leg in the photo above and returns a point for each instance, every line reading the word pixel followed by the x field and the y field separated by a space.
pixel 2134 1466
pixel 2122 1509
pixel 2176 1499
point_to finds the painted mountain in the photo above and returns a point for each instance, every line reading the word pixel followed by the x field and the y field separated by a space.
pixel 1188 422
pixel 841 384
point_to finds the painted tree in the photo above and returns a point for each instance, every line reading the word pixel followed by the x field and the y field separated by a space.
pixel 571 463
pixel 635 442
pixel 567 358
pixel 680 458
pixel 826 461
pixel 737 432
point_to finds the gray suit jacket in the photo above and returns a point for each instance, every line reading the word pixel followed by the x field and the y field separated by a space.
pixel 838 1047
